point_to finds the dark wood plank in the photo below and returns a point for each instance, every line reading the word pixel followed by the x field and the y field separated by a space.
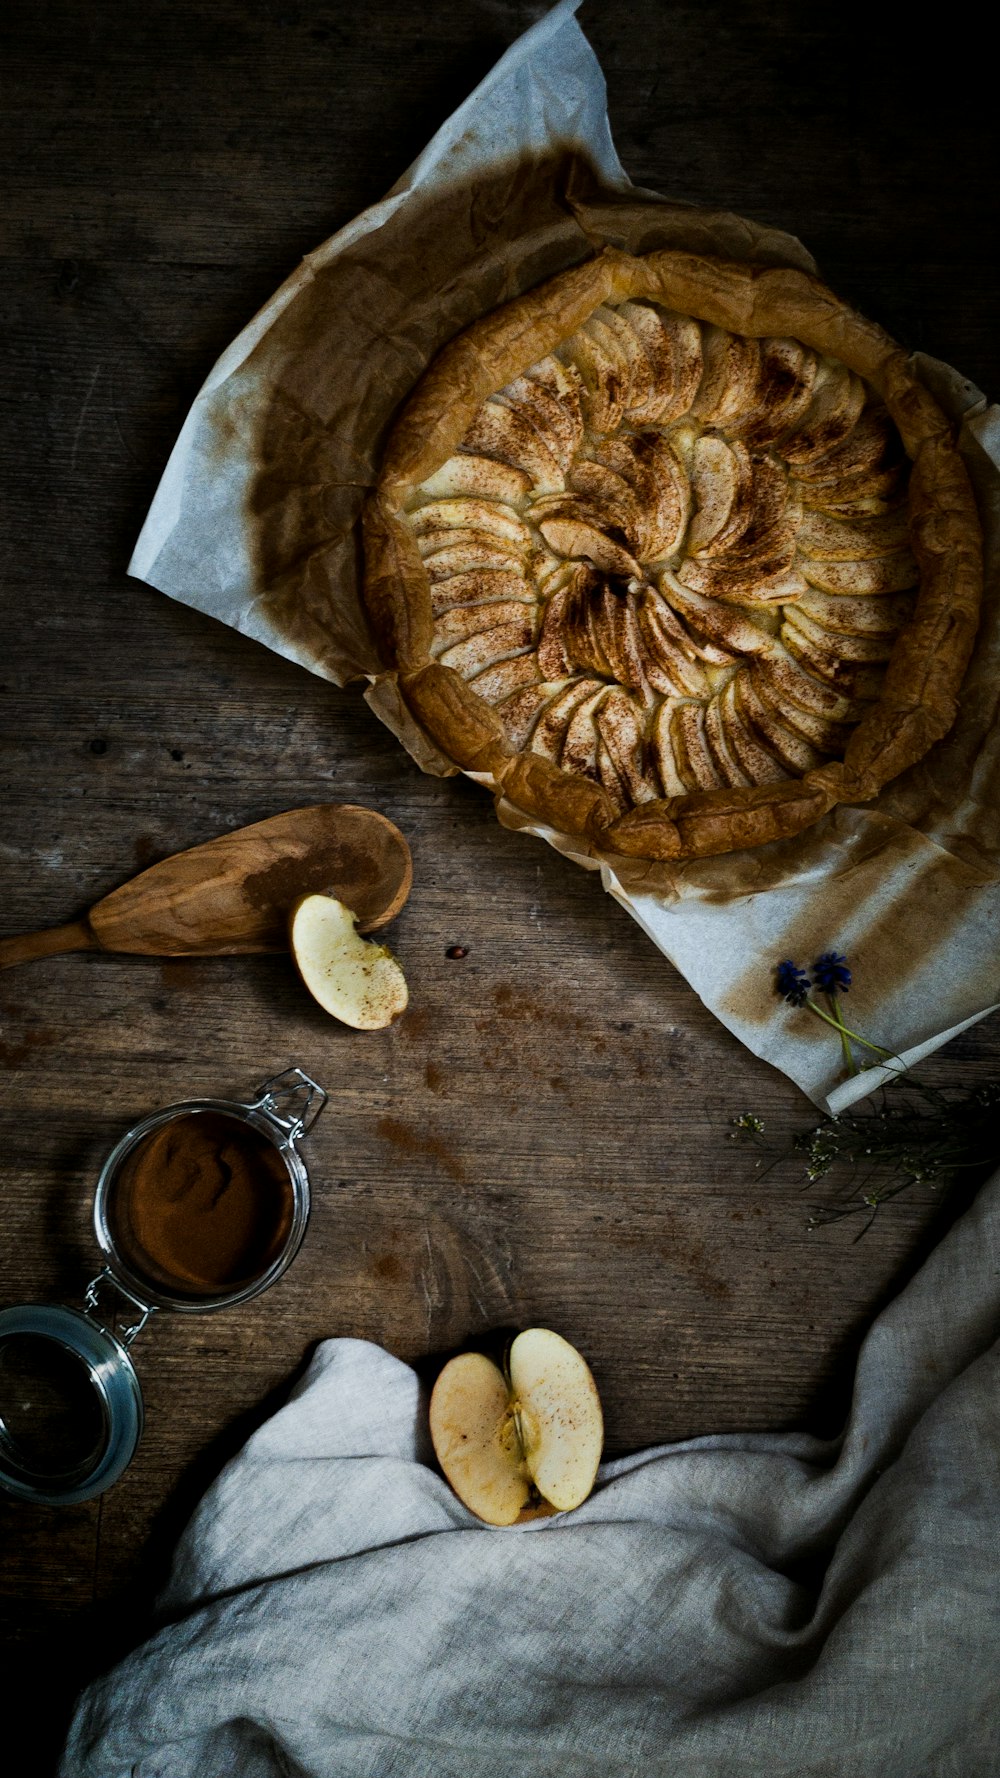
pixel 545 1136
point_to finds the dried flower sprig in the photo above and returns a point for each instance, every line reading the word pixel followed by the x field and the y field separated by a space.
pixel 914 1135
pixel 831 977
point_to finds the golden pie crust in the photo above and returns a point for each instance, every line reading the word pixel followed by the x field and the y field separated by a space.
pixel 676 554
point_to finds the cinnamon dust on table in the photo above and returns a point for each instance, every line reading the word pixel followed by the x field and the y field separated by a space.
pixel 202 1205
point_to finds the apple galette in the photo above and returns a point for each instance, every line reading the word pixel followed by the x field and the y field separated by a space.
pixel 676 554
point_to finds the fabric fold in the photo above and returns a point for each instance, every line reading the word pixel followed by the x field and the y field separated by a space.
pixel 761 1603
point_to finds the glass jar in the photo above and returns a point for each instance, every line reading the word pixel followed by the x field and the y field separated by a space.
pixel 70 1403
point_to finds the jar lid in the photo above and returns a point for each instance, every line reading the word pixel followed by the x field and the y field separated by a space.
pixel 70 1405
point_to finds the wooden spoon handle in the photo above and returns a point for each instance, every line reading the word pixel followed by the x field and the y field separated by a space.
pixel 77 936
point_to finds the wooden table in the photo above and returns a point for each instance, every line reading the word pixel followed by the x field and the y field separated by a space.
pixel 544 1137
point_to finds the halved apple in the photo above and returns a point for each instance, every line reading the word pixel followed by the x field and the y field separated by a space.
pixel 358 982
pixel 505 1439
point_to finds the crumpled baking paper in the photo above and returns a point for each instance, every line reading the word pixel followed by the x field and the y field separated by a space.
pixel 255 521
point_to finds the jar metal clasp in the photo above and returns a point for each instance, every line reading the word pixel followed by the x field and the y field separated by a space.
pixel 107 1284
pixel 292 1099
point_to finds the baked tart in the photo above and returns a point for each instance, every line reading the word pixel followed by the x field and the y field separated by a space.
pixel 675 554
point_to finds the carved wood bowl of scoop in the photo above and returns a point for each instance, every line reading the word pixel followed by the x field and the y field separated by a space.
pixel 233 894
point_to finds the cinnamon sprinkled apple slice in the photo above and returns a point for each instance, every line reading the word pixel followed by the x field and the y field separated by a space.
pixel 358 982
pixel 538 1430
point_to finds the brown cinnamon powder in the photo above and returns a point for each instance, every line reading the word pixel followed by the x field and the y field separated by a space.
pixel 201 1206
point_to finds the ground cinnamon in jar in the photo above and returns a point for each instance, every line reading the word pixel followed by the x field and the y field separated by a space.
pixel 201 1206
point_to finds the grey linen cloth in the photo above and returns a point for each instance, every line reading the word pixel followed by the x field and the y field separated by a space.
pixel 765 1604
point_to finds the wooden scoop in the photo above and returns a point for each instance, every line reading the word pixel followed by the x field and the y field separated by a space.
pixel 235 893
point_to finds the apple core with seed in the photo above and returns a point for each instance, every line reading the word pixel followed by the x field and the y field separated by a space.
pixel 536 1431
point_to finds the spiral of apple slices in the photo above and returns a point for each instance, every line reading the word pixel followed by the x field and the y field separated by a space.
pixel 670 557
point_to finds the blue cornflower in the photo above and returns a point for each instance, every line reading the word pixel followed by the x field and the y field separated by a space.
pixel 830 976
pixel 792 983
pixel 830 973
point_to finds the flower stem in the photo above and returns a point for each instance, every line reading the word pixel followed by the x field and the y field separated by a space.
pixel 845 1031
pixel 845 1043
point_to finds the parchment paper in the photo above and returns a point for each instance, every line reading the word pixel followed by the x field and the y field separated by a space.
pixel 254 522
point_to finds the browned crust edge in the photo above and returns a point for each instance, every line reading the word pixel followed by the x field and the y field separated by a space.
pixel 919 698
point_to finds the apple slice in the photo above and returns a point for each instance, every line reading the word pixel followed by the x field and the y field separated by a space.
pixel 474 1434
pixel 358 982
pixel 500 1439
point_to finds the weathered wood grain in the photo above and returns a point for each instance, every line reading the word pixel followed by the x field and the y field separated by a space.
pixel 544 1137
